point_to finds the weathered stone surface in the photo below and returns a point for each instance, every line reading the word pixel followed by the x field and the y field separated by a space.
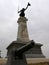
pixel 22 35
pixel 18 58
pixel 35 52
pixel 23 39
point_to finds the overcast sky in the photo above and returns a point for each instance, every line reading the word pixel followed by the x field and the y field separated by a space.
pixel 38 22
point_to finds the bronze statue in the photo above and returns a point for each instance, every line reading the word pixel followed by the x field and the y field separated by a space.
pixel 22 14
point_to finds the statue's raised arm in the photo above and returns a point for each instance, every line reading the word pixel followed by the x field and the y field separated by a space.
pixel 27 5
pixel 22 14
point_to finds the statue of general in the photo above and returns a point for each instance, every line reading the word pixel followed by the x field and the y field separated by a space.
pixel 22 14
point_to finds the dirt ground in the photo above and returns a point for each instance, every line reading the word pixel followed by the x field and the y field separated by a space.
pixel 3 61
pixel 34 61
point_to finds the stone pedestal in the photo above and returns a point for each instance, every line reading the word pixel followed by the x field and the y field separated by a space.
pixel 23 39
pixel 34 52
pixel 15 59
pixel 11 57
pixel 22 35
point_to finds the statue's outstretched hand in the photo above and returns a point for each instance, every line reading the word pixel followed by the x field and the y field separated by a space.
pixel 29 4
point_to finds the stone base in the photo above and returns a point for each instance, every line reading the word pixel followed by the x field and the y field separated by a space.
pixel 35 56
pixel 34 52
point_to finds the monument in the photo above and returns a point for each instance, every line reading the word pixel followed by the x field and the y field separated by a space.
pixel 23 47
